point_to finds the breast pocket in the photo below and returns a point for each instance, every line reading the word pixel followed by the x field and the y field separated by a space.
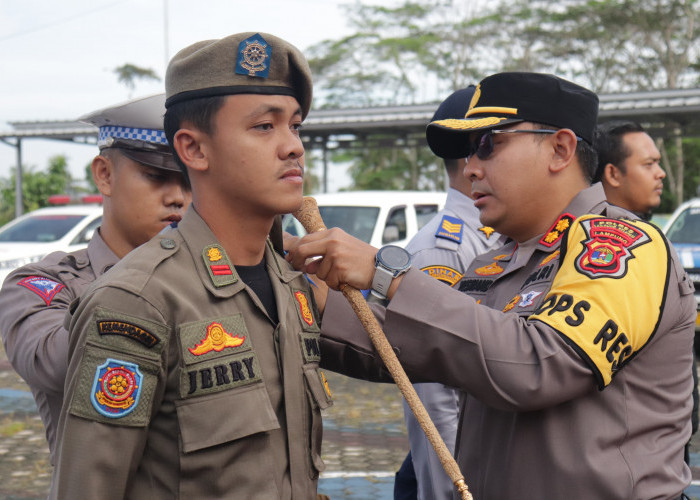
pixel 226 438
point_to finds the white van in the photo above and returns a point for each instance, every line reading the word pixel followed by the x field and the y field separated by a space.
pixel 376 217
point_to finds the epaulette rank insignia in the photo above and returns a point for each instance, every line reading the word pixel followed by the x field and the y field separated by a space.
pixel 450 228
pixel 253 54
pixel 218 265
pixel 557 230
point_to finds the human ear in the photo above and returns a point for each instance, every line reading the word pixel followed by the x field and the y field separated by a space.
pixel 103 174
pixel 612 175
pixel 564 142
pixel 189 145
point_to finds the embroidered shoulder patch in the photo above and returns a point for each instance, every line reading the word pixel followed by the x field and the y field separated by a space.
pixel 135 332
pixel 608 259
pixel 443 273
pixel 608 246
pixel 450 228
pixel 44 287
pixel 116 388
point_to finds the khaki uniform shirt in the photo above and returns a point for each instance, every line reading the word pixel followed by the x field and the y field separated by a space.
pixel 443 249
pixel 180 385
pixel 582 388
pixel 33 303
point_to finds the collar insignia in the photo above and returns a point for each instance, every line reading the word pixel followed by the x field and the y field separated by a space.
pixel 488 231
pixel 557 230
pixel 217 339
pixel 253 55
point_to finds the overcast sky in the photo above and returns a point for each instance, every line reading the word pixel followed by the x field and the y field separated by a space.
pixel 57 58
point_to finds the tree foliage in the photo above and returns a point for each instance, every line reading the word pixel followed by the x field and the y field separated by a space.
pixel 128 74
pixel 422 50
pixel 36 187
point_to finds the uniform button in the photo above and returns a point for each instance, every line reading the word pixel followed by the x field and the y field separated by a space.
pixel 168 244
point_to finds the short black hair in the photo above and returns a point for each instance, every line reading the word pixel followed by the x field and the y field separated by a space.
pixel 198 112
pixel 610 145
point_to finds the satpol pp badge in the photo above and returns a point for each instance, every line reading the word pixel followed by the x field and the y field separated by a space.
pixel 116 388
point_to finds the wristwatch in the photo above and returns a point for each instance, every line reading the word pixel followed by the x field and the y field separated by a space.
pixel 391 261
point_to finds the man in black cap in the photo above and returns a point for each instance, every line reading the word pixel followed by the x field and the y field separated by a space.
pixel 143 192
pixel 573 340
pixel 194 368
pixel 443 249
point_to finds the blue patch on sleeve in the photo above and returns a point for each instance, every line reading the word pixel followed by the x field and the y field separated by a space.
pixel 450 228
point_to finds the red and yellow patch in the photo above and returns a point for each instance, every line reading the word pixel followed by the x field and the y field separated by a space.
pixel 306 314
pixel 557 230
pixel 510 305
pixel 217 339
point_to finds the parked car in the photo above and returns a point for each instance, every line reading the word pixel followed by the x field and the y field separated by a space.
pixel 376 217
pixel 32 236
pixel 683 231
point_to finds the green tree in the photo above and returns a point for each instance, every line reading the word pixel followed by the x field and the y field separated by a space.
pixel 127 74
pixel 36 187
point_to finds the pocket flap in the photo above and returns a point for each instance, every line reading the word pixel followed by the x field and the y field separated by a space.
pixel 225 416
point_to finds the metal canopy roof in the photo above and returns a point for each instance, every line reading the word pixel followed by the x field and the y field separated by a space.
pixel 659 109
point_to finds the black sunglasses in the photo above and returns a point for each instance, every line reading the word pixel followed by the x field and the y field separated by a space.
pixel 483 146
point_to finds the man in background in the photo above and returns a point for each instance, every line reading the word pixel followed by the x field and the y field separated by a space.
pixel 443 249
pixel 628 167
pixel 143 192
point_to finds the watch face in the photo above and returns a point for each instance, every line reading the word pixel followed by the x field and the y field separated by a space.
pixel 394 257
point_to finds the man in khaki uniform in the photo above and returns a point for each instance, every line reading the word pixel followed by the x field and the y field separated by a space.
pixel 194 367
pixel 143 192
pixel 573 340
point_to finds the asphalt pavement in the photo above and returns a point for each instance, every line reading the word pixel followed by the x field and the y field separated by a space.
pixel 364 441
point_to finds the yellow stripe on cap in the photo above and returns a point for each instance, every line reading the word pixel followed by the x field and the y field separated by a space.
pixel 492 109
pixel 469 124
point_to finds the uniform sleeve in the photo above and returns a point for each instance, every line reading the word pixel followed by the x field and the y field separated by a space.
pixel 115 381
pixel 442 335
pixel 581 335
pixel 33 305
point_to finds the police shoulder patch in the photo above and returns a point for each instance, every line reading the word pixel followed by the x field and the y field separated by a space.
pixel 608 259
pixel 44 287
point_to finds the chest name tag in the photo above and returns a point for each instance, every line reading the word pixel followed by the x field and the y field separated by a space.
pixel 220 374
